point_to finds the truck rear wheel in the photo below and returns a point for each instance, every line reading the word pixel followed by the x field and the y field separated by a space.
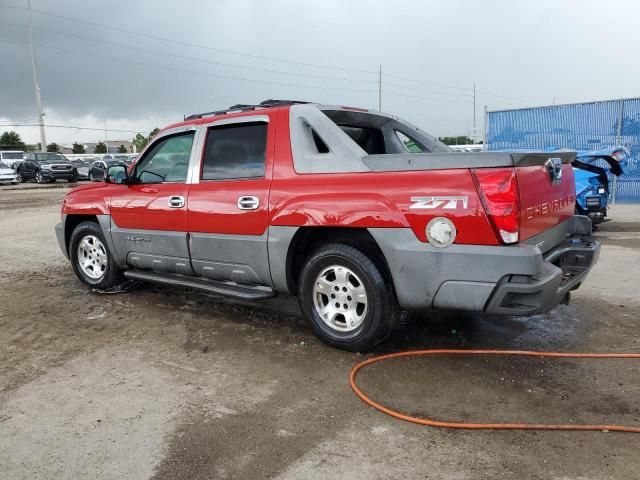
pixel 90 257
pixel 347 299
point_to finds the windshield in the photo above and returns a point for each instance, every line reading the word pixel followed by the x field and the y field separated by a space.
pixel 12 155
pixel 49 157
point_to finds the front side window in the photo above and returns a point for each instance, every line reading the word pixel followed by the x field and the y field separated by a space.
pixel 12 156
pixel 48 157
pixel 167 160
pixel 235 151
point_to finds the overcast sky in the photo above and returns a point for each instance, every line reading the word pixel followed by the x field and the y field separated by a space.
pixel 518 52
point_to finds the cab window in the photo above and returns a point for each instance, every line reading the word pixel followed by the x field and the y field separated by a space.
pixel 235 151
pixel 167 160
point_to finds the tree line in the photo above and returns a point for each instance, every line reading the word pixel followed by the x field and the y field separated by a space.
pixel 11 140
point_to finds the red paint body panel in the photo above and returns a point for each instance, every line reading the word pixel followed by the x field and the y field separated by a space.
pixel 347 200
pixel 213 204
pixel 543 205
pixel 146 207
pixel 92 199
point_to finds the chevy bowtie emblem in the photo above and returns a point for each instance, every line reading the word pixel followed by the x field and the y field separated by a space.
pixel 554 168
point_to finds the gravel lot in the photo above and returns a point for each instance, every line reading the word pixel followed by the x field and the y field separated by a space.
pixel 171 384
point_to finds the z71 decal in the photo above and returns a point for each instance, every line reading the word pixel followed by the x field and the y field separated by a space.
pixel 448 203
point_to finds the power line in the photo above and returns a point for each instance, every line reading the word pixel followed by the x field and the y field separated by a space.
pixel 194 59
pixel 501 96
pixel 492 101
pixel 189 44
pixel 235 65
pixel 70 127
pixel 427 91
pixel 193 72
pixel 469 89
pixel 427 99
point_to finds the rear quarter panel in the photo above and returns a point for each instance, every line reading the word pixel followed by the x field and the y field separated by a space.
pixel 381 200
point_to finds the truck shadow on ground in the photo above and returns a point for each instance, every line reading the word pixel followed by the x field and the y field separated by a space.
pixel 437 329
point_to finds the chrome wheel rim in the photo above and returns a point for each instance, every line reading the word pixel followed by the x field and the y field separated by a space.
pixel 92 257
pixel 340 298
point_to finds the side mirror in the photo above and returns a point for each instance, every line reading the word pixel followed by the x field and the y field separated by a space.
pixel 116 174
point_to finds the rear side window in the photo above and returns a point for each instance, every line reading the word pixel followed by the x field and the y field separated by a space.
pixel 409 143
pixel 235 151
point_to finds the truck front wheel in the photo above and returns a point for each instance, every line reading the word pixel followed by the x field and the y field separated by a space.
pixel 90 257
pixel 347 299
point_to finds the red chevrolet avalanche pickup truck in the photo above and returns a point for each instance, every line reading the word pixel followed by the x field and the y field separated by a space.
pixel 358 213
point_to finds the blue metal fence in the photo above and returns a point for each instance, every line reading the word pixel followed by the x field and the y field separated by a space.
pixel 579 126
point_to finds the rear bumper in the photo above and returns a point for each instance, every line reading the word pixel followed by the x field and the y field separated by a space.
pixel 523 279
pixel 564 268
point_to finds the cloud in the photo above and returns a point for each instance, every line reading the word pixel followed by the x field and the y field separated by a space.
pixel 518 54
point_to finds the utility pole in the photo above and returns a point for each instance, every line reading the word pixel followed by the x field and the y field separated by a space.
pixel 486 127
pixel 106 139
pixel 36 84
pixel 474 112
pixel 380 89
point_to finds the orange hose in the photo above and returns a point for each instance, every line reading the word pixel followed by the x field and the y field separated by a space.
pixel 494 426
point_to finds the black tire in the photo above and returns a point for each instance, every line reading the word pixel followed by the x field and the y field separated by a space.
pixel 382 311
pixel 19 177
pixel 112 275
pixel 39 178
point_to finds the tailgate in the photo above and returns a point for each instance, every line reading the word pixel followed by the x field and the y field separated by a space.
pixel 547 190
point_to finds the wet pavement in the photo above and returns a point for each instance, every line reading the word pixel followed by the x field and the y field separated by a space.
pixel 169 383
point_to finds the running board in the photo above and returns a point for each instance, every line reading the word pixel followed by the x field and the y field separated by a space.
pixel 244 292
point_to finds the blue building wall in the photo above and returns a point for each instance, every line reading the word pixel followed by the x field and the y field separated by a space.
pixel 580 126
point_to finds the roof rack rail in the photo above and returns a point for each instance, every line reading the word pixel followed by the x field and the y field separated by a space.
pixel 240 107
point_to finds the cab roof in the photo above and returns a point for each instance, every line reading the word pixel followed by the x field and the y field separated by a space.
pixel 234 110
pixel 238 108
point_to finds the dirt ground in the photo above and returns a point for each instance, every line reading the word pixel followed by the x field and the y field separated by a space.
pixel 174 384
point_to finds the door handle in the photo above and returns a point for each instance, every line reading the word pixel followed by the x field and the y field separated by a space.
pixel 176 201
pixel 248 202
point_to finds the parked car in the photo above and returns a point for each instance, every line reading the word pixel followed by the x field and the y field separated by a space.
pixel 99 167
pixel 593 190
pixel 358 213
pixel 44 167
pixel 119 157
pixel 82 167
pixel 7 175
pixel 11 157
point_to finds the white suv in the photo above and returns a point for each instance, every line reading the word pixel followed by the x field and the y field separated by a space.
pixel 11 157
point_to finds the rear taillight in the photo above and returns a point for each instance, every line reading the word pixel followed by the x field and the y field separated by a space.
pixel 498 189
